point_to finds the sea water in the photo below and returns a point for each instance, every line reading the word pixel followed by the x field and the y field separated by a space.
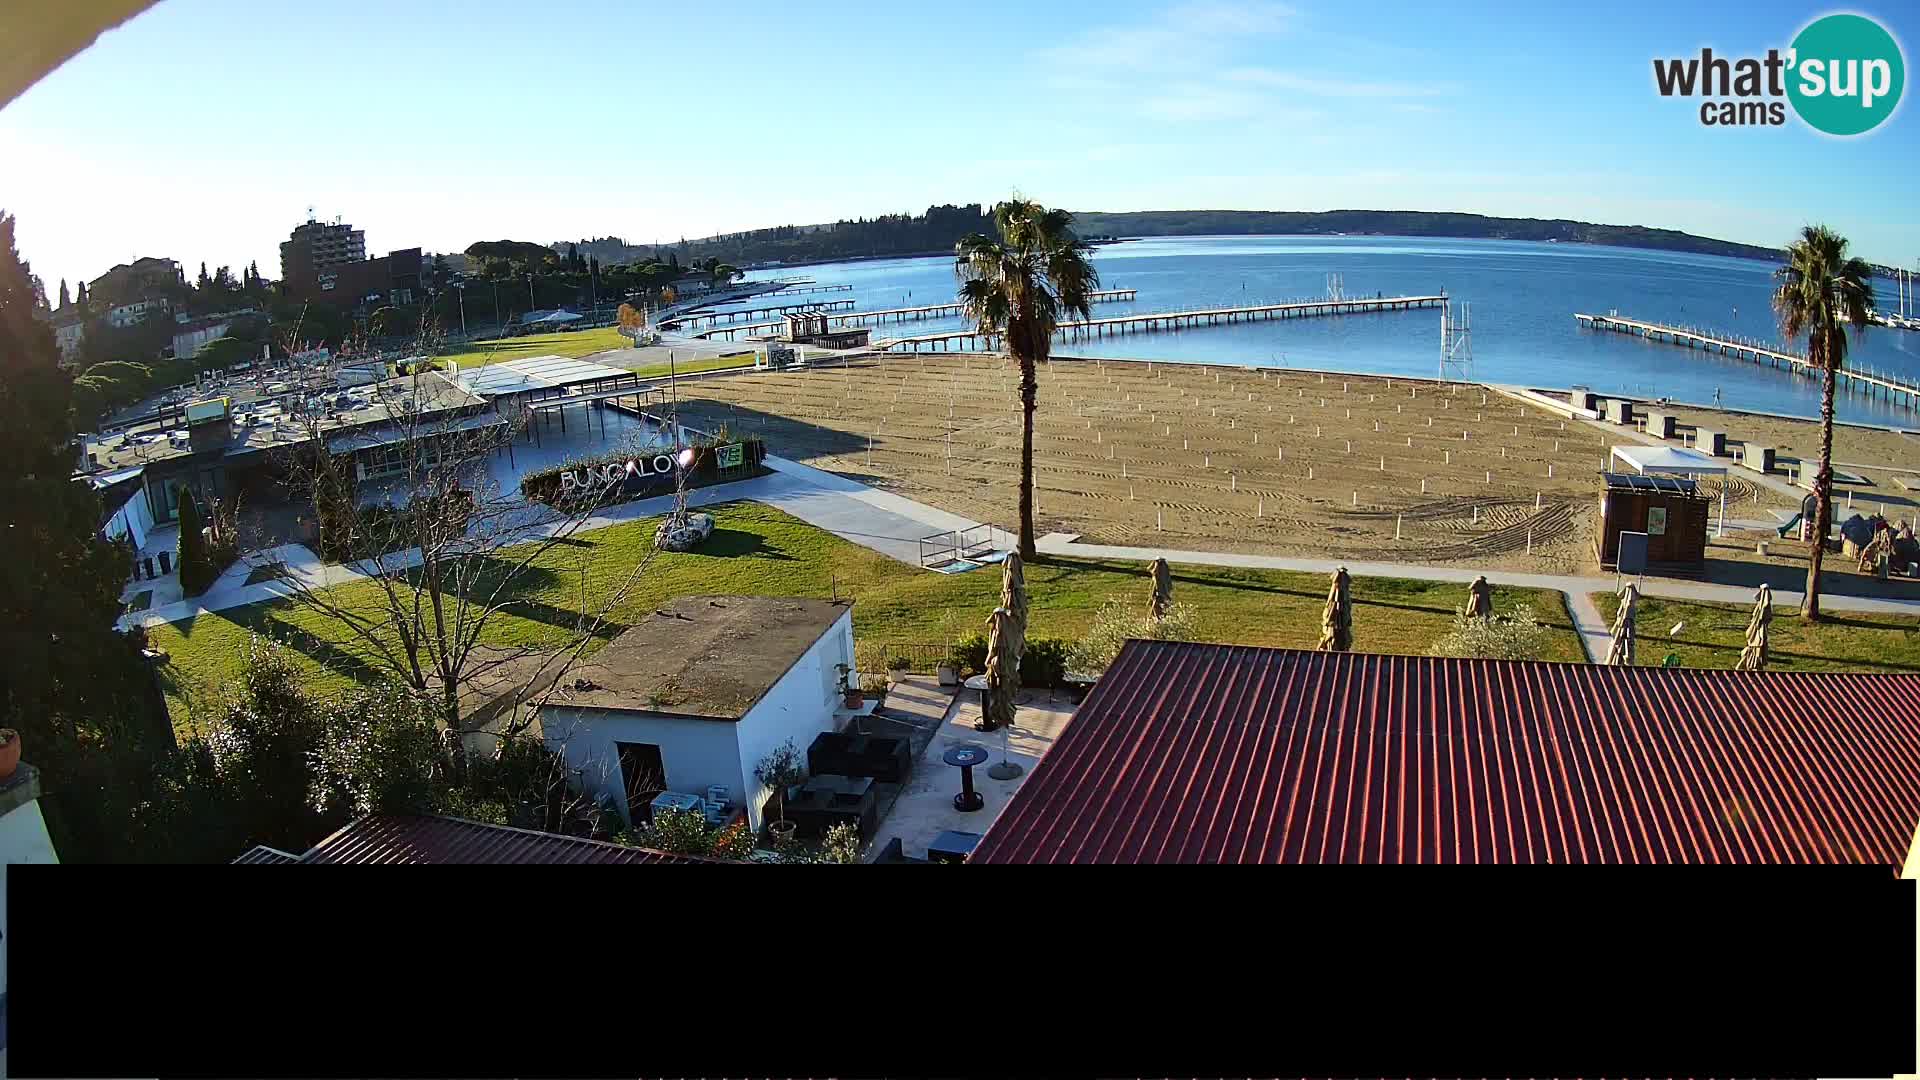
pixel 1523 297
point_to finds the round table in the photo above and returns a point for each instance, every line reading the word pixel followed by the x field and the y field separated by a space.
pixel 979 682
pixel 965 757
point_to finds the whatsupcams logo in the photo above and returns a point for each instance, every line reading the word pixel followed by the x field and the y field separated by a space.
pixel 1842 75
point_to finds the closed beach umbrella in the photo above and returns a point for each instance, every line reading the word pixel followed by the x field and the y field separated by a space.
pixel 1336 622
pixel 1013 590
pixel 1006 640
pixel 1754 656
pixel 1480 599
pixel 1620 653
pixel 1162 600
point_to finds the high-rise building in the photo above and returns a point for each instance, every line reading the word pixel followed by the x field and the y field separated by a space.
pixel 316 246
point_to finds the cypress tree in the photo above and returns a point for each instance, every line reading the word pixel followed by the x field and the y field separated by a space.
pixel 195 564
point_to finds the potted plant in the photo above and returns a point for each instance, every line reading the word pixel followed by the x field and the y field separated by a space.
pixel 9 752
pixel 897 666
pixel 852 696
pixel 781 772
pixel 948 671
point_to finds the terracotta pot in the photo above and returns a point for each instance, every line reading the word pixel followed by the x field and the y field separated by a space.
pixel 855 698
pixel 781 832
pixel 9 753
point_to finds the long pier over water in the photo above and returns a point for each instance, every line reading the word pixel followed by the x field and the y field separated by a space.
pixel 1872 383
pixel 712 318
pixel 1147 322
pixel 907 314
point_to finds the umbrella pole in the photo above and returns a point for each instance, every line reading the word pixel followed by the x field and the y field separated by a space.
pixel 1006 770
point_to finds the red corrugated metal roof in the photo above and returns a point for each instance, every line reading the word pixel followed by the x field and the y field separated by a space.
pixel 408 838
pixel 1227 753
pixel 262 855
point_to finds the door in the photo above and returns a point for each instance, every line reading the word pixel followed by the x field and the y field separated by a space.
pixel 644 775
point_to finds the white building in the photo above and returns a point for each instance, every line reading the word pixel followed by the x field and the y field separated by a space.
pixel 128 314
pixel 68 335
pixel 697 695
pixel 23 839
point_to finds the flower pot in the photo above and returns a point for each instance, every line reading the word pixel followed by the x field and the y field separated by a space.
pixel 9 752
pixel 782 831
pixel 898 675
pixel 949 674
pixel 854 699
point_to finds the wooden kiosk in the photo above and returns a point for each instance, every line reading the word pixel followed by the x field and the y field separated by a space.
pixel 1657 493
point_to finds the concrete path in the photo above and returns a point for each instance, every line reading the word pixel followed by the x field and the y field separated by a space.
pixel 1577 588
pixel 881 521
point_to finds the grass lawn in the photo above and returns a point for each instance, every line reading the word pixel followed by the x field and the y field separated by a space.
pixel 567 343
pixel 1715 634
pixel 761 551
pixel 581 343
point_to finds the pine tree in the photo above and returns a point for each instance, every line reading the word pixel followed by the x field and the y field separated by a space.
pixel 64 298
pixel 204 279
pixel 81 297
pixel 76 690
pixel 253 274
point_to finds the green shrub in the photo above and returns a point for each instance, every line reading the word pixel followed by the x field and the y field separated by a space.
pixel 1044 663
pixel 1514 635
pixel 1115 622
pixel 972 653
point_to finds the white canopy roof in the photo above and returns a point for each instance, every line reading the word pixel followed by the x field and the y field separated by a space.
pixel 561 316
pixel 1667 459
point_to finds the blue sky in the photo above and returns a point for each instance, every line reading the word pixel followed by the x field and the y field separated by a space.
pixel 205 128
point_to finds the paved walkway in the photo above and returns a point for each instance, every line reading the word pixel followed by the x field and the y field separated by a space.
pixel 1577 588
pixel 884 522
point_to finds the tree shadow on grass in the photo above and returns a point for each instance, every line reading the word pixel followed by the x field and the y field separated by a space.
pixel 736 543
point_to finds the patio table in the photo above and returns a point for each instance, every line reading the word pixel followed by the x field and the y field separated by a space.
pixel 979 682
pixel 965 757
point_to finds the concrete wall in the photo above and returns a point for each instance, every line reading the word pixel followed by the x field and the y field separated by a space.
pixel 132 520
pixel 798 707
pixel 696 753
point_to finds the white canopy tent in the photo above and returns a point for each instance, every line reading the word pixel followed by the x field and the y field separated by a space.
pixel 553 318
pixel 1671 461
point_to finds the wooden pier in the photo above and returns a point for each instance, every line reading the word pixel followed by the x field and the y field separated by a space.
pixel 1868 382
pixel 1090 329
pixel 910 314
pixel 713 318
pixel 795 290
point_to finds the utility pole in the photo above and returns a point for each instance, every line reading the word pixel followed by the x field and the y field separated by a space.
pixel 461 289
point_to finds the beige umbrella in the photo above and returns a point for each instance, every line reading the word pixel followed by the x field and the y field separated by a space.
pixel 1754 656
pixel 1013 590
pixel 1006 640
pixel 1480 599
pixel 1162 599
pixel 1336 622
pixel 1620 653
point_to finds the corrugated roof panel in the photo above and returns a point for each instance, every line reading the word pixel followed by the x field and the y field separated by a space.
pixel 1222 753
pixel 416 839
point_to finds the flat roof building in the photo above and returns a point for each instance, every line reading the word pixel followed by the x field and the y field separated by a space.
pixel 695 696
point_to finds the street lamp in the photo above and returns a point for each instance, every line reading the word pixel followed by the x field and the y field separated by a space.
pixel 460 289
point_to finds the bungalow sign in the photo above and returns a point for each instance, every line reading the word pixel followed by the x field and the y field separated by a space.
pixel 619 479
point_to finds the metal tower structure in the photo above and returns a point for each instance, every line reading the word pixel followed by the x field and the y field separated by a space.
pixel 1336 287
pixel 1456 343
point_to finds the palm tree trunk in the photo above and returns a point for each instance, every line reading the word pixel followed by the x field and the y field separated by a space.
pixel 1029 398
pixel 1822 503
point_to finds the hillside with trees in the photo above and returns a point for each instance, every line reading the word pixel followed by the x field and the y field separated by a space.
pixel 1401 223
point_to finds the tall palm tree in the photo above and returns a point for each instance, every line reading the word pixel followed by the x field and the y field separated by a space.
pixel 1019 285
pixel 1819 292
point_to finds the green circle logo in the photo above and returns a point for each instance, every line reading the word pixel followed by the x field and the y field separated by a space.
pixel 1846 74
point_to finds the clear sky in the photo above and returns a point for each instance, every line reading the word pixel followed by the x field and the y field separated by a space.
pixel 204 129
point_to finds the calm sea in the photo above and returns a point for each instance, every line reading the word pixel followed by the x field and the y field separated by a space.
pixel 1523 298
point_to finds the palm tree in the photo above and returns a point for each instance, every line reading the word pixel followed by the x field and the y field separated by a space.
pixel 1820 291
pixel 1018 285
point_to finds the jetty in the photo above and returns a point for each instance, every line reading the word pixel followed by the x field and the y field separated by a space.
pixel 907 314
pixel 1148 322
pixel 794 290
pixel 711 318
pixel 1866 381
